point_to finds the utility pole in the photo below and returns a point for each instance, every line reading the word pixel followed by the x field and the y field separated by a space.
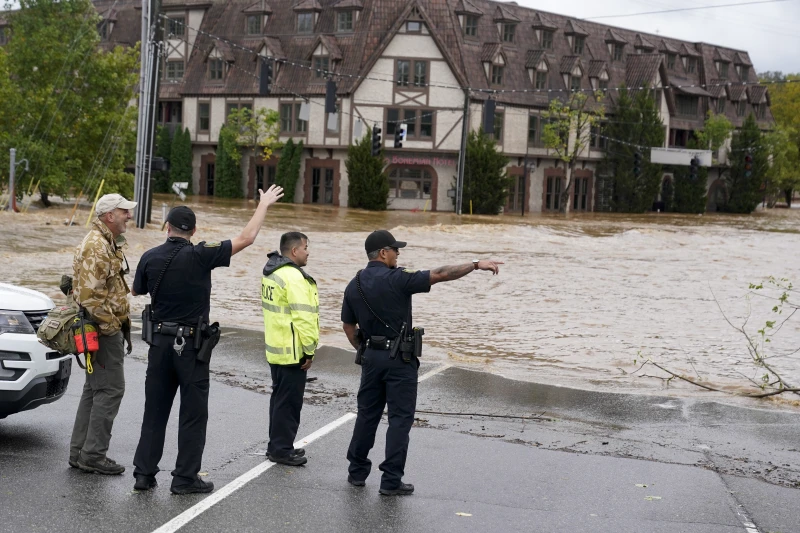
pixel 12 171
pixel 148 105
pixel 462 156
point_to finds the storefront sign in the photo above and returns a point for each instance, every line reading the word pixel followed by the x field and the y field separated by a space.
pixel 421 159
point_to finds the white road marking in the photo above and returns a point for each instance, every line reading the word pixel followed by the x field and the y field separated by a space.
pixel 433 372
pixel 193 512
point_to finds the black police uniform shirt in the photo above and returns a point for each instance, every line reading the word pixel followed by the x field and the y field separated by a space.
pixel 185 291
pixel 388 291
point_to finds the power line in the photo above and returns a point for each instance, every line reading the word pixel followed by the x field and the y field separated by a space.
pixel 684 9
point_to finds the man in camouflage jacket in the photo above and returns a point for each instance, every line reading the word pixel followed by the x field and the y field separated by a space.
pixel 99 287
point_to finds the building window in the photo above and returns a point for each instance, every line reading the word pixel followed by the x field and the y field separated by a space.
pixel 575 83
pixel 265 177
pixel 547 39
pixel 410 120
pixel 102 29
pixel 170 113
pixel 321 185
pixel 741 108
pixel 176 26
pixel 691 65
pixel 426 123
pixel 618 51
pixel 300 126
pixel 253 24
pixel 344 21
pixel 216 69
pixel 471 26
pixel 744 72
pixel 235 106
pixel 498 126
pixel 410 183
pixel 404 68
pixel 687 105
pixel 721 106
pixel 508 32
pixel 671 61
pixel 603 85
pixel 204 115
pixel 286 118
pixel 321 66
pixel 290 119
pixel 392 118
pixel 580 197
pixel 577 44
pixel 419 122
pixel 413 26
pixel 305 22
pixel 540 80
pixel 174 70
pixel 598 141
pixel 761 111
pixel 497 74
pixel 552 197
pixel 533 130
pixel 723 70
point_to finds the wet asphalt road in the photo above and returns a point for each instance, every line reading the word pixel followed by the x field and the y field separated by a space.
pixel 599 462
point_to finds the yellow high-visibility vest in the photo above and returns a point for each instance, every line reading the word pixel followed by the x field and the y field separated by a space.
pixel 291 315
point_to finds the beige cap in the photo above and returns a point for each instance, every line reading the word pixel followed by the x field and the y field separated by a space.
pixel 109 202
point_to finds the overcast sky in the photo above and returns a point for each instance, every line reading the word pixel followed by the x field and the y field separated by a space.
pixel 769 32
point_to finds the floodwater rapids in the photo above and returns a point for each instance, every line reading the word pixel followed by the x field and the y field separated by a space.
pixel 581 301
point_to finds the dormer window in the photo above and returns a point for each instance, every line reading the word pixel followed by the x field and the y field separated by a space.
pixel 344 21
pixel 619 50
pixel 743 71
pixel 508 32
pixel 540 80
pixel 575 83
pixel 176 26
pixel 691 65
pixel 722 68
pixel 671 61
pixel 721 105
pixel 413 26
pixel 321 66
pixel 471 26
pixel 547 39
pixel 216 69
pixel 253 25
pixel 305 22
pixel 102 29
pixel 497 74
pixel 578 41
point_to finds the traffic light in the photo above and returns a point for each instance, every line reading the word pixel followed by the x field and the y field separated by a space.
pixel 376 141
pixel 748 165
pixel 399 135
pixel 637 164
pixel 265 77
pixel 694 168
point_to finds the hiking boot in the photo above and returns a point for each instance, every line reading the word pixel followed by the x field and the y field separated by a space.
pixel 199 486
pixel 144 482
pixel 356 482
pixel 291 460
pixel 73 462
pixel 299 452
pixel 103 466
pixel 405 489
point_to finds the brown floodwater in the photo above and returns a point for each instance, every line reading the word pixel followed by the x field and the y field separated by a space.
pixel 581 300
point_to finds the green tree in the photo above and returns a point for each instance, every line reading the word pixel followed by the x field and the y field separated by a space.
pixel 568 131
pixel 228 172
pixel 288 171
pixel 636 123
pixel 744 191
pixel 68 109
pixel 368 186
pixel 785 109
pixel 163 149
pixel 689 196
pixel 783 174
pixel 257 130
pixel 486 181
pixel 181 162
pixel 716 130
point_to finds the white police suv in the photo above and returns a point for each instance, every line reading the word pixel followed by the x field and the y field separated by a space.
pixel 30 373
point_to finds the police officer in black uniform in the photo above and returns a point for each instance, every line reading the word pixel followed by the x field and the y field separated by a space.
pixel 180 309
pixel 378 300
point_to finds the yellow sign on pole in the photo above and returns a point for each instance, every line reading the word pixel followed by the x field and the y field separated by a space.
pixel 96 197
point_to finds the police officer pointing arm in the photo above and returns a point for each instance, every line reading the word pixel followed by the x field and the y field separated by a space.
pixel 177 275
pixel 378 300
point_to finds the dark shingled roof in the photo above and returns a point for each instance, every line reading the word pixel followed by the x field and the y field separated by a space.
pixel 466 7
pixel 757 93
pixel 329 42
pixel 716 88
pixel 568 63
pixel 258 8
pixel 689 50
pixel 641 70
pixel 502 14
pixel 596 67
pixel 667 48
pixel 737 92
pixel 308 5
pixel 572 28
pixel 533 58
pixel 641 42
pixel 690 90
pixel 721 56
pixel 490 51
pixel 740 58
pixel 540 21
pixel 614 37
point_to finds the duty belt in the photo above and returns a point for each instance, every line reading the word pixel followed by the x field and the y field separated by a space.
pixel 380 343
pixel 171 328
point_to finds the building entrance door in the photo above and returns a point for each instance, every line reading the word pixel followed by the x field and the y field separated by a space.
pixel 322 186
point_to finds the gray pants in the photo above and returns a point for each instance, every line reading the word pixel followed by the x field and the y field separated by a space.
pixel 102 395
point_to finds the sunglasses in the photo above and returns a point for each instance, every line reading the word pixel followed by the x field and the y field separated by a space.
pixel 396 250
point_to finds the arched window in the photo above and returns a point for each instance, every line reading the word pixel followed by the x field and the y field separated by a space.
pixel 410 183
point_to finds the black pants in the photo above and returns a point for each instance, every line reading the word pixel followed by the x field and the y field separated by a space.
pixel 285 403
pixel 166 372
pixel 384 381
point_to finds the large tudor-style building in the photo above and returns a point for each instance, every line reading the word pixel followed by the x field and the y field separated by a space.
pixel 410 60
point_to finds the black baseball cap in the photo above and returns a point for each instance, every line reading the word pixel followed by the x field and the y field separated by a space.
pixel 182 218
pixel 381 239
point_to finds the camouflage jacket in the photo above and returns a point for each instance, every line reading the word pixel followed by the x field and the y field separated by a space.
pixel 99 285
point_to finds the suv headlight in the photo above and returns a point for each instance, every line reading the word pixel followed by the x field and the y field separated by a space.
pixel 14 322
